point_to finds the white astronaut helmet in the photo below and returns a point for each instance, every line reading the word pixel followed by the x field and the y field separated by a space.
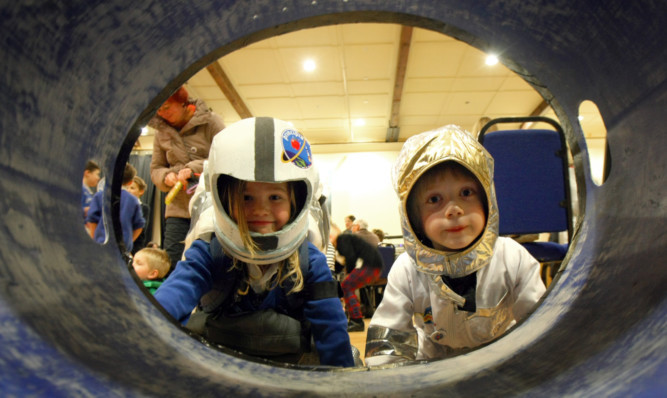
pixel 262 149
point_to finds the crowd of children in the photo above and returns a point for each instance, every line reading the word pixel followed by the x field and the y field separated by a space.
pixel 131 218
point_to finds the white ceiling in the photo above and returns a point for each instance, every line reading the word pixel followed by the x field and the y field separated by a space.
pixel 446 82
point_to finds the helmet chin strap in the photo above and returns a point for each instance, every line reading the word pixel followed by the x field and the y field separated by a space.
pixel 265 243
pixel 272 247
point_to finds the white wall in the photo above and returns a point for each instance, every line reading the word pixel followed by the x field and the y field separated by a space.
pixel 359 183
pixel 596 151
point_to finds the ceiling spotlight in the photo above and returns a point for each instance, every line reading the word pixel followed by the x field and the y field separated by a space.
pixel 309 65
pixel 144 130
pixel 491 60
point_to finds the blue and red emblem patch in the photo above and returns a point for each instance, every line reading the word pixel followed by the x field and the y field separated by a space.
pixel 296 149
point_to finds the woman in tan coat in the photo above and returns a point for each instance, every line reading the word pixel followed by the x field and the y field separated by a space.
pixel 185 129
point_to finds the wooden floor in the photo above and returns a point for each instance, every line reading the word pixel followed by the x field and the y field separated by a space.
pixel 358 339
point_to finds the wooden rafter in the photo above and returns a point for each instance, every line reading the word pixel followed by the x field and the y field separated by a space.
pixel 228 89
pixel 401 66
pixel 536 112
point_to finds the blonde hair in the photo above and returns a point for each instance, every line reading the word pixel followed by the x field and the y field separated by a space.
pixel 231 197
pixel 157 259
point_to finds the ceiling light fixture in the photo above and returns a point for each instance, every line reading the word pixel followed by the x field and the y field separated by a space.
pixel 359 122
pixel 144 130
pixel 309 65
pixel 491 59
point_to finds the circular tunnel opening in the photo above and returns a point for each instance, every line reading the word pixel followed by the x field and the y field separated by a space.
pixel 81 332
pixel 434 26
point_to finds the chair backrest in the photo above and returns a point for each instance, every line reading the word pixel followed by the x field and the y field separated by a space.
pixel 388 254
pixel 531 178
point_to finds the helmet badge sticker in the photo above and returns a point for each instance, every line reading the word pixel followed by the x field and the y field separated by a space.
pixel 296 149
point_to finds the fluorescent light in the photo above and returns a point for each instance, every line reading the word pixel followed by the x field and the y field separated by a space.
pixel 491 59
pixel 309 65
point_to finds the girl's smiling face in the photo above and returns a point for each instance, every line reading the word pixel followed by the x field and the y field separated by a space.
pixel 266 206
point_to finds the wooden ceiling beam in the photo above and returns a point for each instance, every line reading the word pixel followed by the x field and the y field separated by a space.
pixel 536 112
pixel 228 89
pixel 399 80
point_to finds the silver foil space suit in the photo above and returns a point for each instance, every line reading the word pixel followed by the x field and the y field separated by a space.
pixel 420 317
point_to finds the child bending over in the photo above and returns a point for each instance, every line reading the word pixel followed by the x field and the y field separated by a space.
pixel 259 286
pixel 458 285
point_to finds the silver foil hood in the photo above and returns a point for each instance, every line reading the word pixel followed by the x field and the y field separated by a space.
pixel 420 153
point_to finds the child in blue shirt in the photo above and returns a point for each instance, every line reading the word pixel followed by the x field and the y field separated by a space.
pixel 137 188
pixel 258 285
pixel 91 176
pixel 131 219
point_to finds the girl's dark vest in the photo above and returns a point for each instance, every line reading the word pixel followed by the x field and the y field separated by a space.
pixel 265 333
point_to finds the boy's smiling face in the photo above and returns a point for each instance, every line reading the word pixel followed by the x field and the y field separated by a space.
pixel 451 210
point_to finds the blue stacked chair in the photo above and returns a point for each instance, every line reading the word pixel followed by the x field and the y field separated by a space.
pixel 532 186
